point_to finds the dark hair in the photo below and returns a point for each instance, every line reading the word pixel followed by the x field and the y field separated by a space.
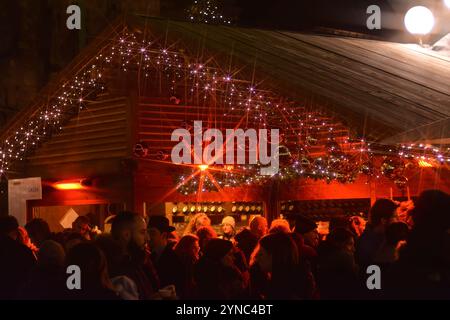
pixel 396 232
pixel 74 236
pixel 81 220
pixel 285 263
pixel 8 224
pixel 339 236
pixel 38 230
pixel 51 254
pixel 113 252
pixel 431 208
pixel 246 241
pixel 382 209
pixel 182 248
pixel 205 234
pixel 425 243
pixel 92 263
pixel 123 220
pixel 216 249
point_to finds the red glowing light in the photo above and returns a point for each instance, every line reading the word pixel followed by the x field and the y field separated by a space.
pixel 75 185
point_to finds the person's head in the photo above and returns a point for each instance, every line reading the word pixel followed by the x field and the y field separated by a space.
pixel 396 232
pixel 246 241
pixel 9 227
pixel 188 247
pixel 276 253
pixel 382 213
pixel 92 263
pixel 81 226
pixel 205 234
pixel 429 238
pixel 113 252
pixel 279 225
pixel 219 250
pixel 431 210
pixel 51 254
pixel 343 239
pixel 258 226
pixel 308 229
pixel 202 220
pixel 73 239
pixel 228 225
pixel 38 230
pixel 129 228
pixel 158 231
pixel 197 221
pixel 357 225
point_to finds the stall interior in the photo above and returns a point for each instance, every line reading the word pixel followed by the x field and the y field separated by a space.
pixel 180 213
pixel 60 218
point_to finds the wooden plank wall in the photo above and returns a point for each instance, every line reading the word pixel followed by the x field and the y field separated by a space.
pixel 380 88
pixel 98 134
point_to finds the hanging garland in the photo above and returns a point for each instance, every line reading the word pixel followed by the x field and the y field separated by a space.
pixel 334 166
pixel 235 97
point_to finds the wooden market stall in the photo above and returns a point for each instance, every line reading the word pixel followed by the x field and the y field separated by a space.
pixel 102 139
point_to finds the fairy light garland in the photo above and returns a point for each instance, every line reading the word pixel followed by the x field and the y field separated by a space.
pixel 207 11
pixel 303 131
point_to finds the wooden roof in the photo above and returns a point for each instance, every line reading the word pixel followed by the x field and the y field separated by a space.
pixel 385 91
pixel 381 89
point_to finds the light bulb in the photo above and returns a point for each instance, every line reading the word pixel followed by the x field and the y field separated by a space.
pixel 419 20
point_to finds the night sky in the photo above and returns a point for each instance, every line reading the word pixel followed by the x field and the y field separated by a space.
pixel 312 15
pixel 300 15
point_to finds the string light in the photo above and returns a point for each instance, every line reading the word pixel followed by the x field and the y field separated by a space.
pixel 207 11
pixel 304 130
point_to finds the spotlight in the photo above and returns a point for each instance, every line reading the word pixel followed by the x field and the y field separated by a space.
pixel 419 20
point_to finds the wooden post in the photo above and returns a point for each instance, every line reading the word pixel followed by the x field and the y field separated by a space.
pixel 272 203
pixel 373 192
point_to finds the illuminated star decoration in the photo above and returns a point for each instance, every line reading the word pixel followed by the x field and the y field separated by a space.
pixel 235 96
pixel 207 11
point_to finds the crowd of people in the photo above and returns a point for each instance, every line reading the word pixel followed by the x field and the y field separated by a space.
pixel 145 259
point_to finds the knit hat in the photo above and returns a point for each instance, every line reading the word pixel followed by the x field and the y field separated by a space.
pixel 229 220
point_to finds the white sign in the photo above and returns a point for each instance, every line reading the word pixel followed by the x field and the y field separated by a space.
pixel 69 217
pixel 19 191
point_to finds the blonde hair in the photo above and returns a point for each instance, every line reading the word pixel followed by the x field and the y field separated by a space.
pixel 191 228
pixel 279 225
